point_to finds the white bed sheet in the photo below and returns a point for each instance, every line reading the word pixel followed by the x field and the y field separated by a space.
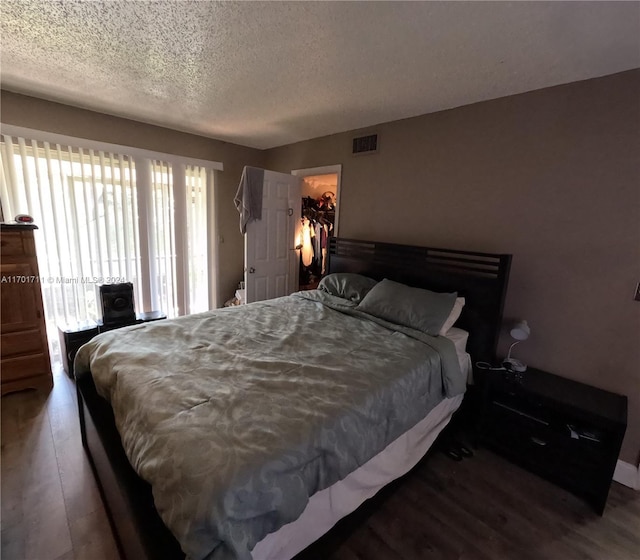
pixel 327 507
pixel 459 337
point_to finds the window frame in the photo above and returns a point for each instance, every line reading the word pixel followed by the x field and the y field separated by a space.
pixel 142 159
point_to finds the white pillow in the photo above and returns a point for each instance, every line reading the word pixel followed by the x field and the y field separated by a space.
pixel 453 316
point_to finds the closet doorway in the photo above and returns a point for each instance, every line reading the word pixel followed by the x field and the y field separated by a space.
pixel 319 220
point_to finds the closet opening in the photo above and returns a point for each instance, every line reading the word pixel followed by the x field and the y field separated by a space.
pixel 319 220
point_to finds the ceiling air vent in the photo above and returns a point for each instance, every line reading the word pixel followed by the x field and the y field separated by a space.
pixel 365 145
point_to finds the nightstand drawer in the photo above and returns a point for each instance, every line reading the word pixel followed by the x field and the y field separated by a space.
pixel 540 449
pixel 578 440
pixel 519 436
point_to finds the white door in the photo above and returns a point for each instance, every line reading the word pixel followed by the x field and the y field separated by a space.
pixel 271 259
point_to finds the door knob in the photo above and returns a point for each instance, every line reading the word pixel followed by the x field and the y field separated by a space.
pixel 251 270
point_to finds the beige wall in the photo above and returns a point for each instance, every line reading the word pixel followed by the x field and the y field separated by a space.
pixel 551 176
pixel 35 113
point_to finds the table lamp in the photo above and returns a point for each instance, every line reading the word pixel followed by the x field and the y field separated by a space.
pixel 520 331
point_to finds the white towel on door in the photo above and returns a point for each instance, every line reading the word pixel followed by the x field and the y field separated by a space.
pixel 248 199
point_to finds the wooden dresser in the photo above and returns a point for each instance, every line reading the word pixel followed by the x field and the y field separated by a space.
pixel 24 352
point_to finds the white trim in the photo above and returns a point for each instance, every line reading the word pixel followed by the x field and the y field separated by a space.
pixel 324 170
pixel 627 474
pixel 54 138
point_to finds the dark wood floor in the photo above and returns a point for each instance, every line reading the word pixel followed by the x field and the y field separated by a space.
pixel 482 508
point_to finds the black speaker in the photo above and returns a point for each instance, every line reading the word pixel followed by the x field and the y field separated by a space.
pixel 117 304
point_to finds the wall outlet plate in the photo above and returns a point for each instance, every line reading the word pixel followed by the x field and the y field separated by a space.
pixel 637 296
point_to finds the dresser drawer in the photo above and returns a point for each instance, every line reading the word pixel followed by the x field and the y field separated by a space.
pixel 25 366
pixel 15 244
pixel 20 343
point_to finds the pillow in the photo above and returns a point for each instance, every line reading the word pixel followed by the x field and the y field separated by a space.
pixel 416 308
pixel 453 316
pixel 347 285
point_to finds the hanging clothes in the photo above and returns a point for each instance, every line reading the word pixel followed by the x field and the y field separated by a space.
pixel 319 214
pixel 323 244
pixel 316 245
pixel 307 248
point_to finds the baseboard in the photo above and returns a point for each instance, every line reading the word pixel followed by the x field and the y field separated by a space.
pixel 627 474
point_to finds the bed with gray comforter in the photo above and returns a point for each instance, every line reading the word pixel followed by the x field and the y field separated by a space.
pixel 237 416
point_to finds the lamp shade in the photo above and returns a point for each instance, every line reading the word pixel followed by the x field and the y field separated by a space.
pixel 520 331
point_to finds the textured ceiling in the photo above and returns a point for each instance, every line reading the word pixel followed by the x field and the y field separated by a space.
pixel 265 74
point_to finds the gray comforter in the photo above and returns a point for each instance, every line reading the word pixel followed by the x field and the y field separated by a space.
pixel 237 416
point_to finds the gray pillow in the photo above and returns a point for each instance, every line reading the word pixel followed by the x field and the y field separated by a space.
pixel 416 308
pixel 347 285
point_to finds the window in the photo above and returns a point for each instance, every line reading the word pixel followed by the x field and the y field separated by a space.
pixel 108 217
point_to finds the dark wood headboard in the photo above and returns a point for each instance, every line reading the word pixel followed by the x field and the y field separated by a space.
pixel 481 278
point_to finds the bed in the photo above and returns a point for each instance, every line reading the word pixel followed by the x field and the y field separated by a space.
pixel 260 427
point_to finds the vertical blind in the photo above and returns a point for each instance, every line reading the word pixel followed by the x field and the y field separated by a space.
pixel 197 247
pixel 87 204
pixel 163 244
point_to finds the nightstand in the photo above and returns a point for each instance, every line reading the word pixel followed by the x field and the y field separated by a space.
pixel 140 318
pixel 72 337
pixel 568 432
